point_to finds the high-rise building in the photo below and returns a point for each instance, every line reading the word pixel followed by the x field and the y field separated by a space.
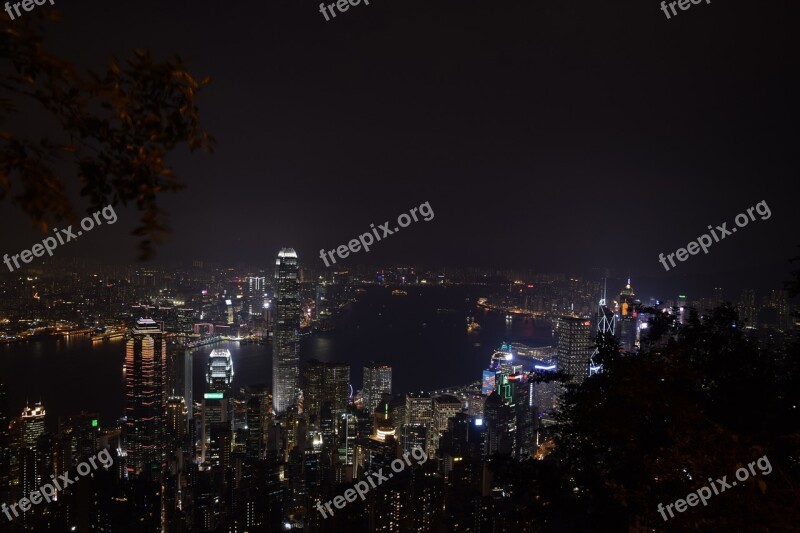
pixel 32 425
pixel 313 388
pixel 176 420
pixel 255 296
pixel 627 328
pixel 377 382
pixel 419 408
pixel 336 387
pixel 444 408
pixel 32 456
pixel 259 412
pixel 323 383
pixel 574 346
pixel 217 401
pixel 747 309
pixel 499 419
pixel 285 359
pixel 605 326
pixel 5 444
pixel 82 432
pixel 220 371
pixel 145 390
pixel 419 421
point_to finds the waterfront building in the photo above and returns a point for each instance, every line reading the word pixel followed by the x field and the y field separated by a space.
pixel 145 394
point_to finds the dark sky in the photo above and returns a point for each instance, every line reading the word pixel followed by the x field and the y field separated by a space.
pixel 551 135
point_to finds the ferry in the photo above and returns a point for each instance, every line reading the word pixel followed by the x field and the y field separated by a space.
pixel 399 292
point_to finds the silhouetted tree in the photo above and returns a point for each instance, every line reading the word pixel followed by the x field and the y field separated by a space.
pixel 117 128
pixel 654 427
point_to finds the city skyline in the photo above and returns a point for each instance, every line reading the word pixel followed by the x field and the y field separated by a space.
pixel 592 277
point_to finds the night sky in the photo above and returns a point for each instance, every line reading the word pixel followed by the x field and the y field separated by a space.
pixel 551 135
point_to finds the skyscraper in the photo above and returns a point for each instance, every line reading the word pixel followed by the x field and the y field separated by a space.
pixel 145 389
pixel 32 425
pixel 377 382
pixel 747 308
pixel 444 408
pixel 176 427
pixel 255 296
pixel 605 325
pixel 326 382
pixel 259 410
pixel 336 387
pixel 285 360
pixel 217 401
pixel 5 443
pixel 32 457
pixel 574 346
pixel 627 329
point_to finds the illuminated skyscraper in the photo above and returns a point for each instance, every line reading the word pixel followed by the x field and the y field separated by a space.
pixel 627 328
pixel 255 296
pixel 32 457
pixel 285 360
pixel 377 382
pixel 326 382
pixel 336 387
pixel 259 414
pixel 220 371
pixel 217 401
pixel 419 421
pixel 605 325
pixel 574 346
pixel 145 395
pixel 176 420
pixel 32 425
pixel 444 408
pixel 313 380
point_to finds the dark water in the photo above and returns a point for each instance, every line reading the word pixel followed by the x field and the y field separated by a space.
pixel 427 350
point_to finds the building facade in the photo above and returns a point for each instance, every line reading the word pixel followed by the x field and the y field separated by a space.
pixel 285 357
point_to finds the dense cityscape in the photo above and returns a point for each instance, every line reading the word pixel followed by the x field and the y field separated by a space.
pixel 270 456
pixel 415 267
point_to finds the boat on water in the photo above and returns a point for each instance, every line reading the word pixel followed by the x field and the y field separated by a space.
pixel 472 325
pixel 399 292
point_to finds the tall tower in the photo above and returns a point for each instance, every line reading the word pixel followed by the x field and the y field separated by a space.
pixel 32 425
pixel 145 390
pixel 255 296
pixel 627 332
pixel 336 387
pixel 217 401
pixel 574 346
pixel 377 382
pixel 326 382
pixel 605 324
pixel 31 457
pixel 285 359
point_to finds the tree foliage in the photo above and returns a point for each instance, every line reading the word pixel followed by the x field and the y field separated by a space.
pixel 116 128
pixel 654 427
